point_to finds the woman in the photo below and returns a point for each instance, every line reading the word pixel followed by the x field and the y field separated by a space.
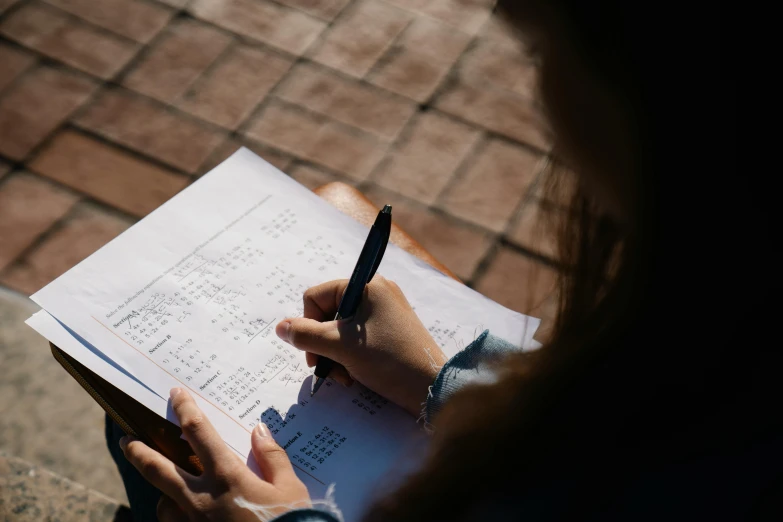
pixel 654 399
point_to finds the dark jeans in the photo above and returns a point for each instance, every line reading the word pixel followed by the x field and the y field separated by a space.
pixel 143 497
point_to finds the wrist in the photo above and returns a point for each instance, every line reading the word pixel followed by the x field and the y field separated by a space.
pixel 429 368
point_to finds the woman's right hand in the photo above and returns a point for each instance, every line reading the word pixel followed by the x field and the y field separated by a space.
pixel 385 346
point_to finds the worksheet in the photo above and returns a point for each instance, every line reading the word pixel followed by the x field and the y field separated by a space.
pixel 190 296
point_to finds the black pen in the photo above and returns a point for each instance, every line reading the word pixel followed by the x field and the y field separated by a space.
pixel 365 268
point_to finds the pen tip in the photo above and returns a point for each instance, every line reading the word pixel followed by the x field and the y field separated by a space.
pixel 315 385
pixel 386 209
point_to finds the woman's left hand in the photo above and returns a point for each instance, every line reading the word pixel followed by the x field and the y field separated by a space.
pixel 211 495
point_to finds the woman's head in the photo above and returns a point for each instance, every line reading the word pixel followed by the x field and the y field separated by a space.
pixel 590 91
pixel 604 87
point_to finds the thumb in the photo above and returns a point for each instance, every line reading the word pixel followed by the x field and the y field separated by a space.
pixel 312 336
pixel 272 460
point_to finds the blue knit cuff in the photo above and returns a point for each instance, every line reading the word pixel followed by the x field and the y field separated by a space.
pixel 471 365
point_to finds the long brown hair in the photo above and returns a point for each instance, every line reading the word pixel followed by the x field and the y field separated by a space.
pixel 595 401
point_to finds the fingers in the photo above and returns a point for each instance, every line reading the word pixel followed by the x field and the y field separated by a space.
pixel 156 469
pixel 341 375
pixel 169 511
pixel 312 336
pixel 338 373
pixel 272 460
pixel 321 301
pixel 200 433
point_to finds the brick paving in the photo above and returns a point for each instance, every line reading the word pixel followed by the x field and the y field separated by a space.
pixel 109 108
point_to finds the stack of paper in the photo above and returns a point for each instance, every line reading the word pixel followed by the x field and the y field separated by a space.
pixel 190 296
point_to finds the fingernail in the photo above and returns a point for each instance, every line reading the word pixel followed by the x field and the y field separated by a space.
pixel 261 430
pixel 283 331
pixel 174 392
pixel 124 441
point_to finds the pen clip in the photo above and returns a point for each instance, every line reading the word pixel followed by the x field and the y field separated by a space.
pixel 378 259
pixel 381 251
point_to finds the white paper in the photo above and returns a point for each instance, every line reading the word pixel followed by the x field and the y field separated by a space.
pixel 54 331
pixel 190 295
